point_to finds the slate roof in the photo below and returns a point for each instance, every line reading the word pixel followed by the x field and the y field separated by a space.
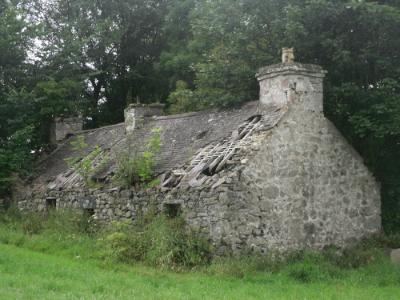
pixel 54 165
pixel 183 136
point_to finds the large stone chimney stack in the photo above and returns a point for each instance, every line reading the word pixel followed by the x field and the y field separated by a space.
pixel 284 83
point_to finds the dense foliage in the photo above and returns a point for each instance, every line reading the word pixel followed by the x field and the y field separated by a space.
pixel 94 57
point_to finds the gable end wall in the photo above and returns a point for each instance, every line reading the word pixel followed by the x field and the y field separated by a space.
pixel 309 187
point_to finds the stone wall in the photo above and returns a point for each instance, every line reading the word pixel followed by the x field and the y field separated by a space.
pixel 298 185
pixel 312 190
pixel 207 210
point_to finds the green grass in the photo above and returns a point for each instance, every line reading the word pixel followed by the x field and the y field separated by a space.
pixel 25 274
pixel 57 261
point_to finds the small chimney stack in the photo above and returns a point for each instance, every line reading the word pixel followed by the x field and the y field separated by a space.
pixel 289 81
pixel 136 114
pixel 62 128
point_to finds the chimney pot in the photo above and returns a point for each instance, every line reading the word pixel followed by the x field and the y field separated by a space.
pixel 287 55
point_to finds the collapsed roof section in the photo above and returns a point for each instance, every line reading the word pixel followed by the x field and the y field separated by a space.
pixel 214 157
pixel 194 146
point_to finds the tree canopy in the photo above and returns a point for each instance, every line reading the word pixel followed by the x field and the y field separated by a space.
pixel 92 58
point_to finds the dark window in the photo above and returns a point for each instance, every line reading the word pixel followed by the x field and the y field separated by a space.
pixel 172 210
pixel 88 212
pixel 51 203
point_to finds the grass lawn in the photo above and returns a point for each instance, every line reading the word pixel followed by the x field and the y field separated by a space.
pixel 56 257
pixel 26 274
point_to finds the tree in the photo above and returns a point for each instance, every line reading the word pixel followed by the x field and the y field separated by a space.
pixel 370 120
pixel 63 57
pixel 112 46
pixel 231 40
pixel 356 41
pixel 14 41
pixel 15 132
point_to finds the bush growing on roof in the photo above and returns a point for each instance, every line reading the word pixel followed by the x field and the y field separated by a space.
pixel 138 169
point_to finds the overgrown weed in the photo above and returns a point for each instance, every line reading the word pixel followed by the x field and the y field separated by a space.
pixel 166 243
pixel 157 241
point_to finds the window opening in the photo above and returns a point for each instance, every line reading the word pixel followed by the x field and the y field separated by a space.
pixel 51 203
pixel 88 212
pixel 172 210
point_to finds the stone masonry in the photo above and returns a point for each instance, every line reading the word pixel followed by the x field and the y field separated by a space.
pixel 64 127
pixel 293 184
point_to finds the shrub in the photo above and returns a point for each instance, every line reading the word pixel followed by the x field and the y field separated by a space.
pixel 69 221
pixel 138 169
pixel 157 241
pixel 172 245
pixel 122 242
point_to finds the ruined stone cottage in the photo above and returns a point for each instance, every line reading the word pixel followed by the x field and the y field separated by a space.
pixel 272 174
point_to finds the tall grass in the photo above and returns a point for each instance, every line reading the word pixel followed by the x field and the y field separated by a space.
pixel 154 239
pixel 159 241
pixel 56 232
